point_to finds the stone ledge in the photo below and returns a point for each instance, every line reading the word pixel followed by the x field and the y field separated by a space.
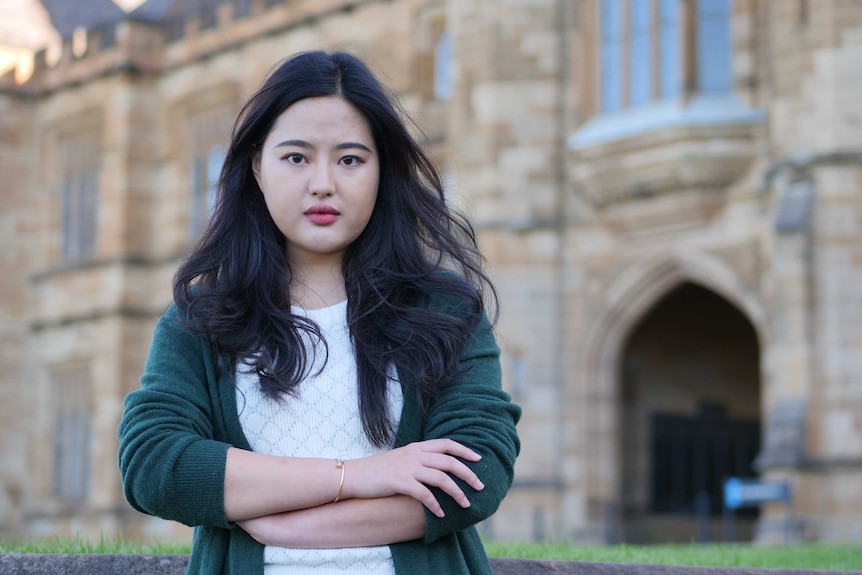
pixel 535 567
pixel 37 564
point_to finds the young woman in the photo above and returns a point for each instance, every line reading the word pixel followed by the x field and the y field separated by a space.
pixel 323 396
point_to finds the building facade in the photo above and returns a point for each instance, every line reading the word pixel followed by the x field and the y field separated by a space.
pixel 668 192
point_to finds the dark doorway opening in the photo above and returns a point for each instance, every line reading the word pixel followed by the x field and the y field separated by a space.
pixel 693 455
pixel 690 401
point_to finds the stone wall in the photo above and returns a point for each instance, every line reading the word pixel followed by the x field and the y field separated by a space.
pixel 585 234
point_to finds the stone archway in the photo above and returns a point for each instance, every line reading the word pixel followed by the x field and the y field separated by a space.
pixel 592 430
pixel 690 404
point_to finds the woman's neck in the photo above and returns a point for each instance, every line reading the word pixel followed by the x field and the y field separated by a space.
pixel 317 287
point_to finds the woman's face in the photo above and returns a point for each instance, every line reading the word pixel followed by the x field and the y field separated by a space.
pixel 318 170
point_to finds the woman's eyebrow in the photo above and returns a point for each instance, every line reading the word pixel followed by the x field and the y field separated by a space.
pixel 357 145
pixel 309 146
pixel 294 143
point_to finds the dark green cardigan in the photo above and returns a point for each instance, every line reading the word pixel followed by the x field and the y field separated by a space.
pixel 176 430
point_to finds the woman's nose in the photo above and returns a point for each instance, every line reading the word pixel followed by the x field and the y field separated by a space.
pixel 322 180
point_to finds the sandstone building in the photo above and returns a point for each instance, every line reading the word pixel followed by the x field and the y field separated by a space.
pixel 669 194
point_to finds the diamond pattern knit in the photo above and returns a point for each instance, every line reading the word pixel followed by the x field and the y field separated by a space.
pixel 322 420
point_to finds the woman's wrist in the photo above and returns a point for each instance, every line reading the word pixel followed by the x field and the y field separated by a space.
pixel 339 464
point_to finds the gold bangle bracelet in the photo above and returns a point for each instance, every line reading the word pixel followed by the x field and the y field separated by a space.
pixel 339 464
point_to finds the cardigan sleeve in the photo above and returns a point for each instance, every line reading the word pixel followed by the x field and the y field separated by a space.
pixel 171 465
pixel 476 412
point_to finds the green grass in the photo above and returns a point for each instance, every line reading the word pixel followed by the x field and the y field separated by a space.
pixel 809 556
pixel 801 556
pixel 103 545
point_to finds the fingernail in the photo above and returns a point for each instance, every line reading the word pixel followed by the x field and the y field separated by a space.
pixel 479 485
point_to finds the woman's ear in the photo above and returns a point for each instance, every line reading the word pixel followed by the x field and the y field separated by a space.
pixel 255 167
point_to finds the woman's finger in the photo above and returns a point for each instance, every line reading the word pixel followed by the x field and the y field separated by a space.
pixel 424 496
pixel 454 467
pixel 444 482
pixel 451 447
pixel 412 469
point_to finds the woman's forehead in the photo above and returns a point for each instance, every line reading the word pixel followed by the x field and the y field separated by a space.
pixel 322 118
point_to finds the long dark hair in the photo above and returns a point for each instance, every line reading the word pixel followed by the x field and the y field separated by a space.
pixel 233 288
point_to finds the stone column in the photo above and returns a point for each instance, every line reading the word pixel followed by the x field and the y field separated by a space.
pixel 17 232
pixel 506 140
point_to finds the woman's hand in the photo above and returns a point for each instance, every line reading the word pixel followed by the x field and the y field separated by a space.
pixel 257 485
pixel 410 470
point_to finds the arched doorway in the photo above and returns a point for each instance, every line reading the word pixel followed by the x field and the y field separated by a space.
pixel 690 415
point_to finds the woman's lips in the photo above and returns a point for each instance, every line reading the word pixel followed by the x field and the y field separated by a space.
pixel 322 215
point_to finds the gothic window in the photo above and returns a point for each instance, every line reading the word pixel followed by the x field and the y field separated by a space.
pixel 670 76
pixel 443 66
pixel 433 59
pixel 78 190
pixel 205 169
pixel 208 135
pixel 640 53
pixel 72 433
pixel 645 46
pixel 713 46
pixel 611 56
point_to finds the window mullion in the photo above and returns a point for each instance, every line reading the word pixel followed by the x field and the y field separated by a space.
pixel 641 53
pixel 671 33
pixel 65 216
pixel 655 51
pixel 612 48
pixel 688 13
pixel 80 215
pixel 625 53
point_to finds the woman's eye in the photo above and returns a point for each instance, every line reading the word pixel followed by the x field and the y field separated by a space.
pixel 351 161
pixel 294 158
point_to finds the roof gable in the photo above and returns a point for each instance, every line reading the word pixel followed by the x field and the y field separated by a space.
pixel 161 9
pixel 66 16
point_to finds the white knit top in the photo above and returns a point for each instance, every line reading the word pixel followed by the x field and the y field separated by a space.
pixel 323 420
